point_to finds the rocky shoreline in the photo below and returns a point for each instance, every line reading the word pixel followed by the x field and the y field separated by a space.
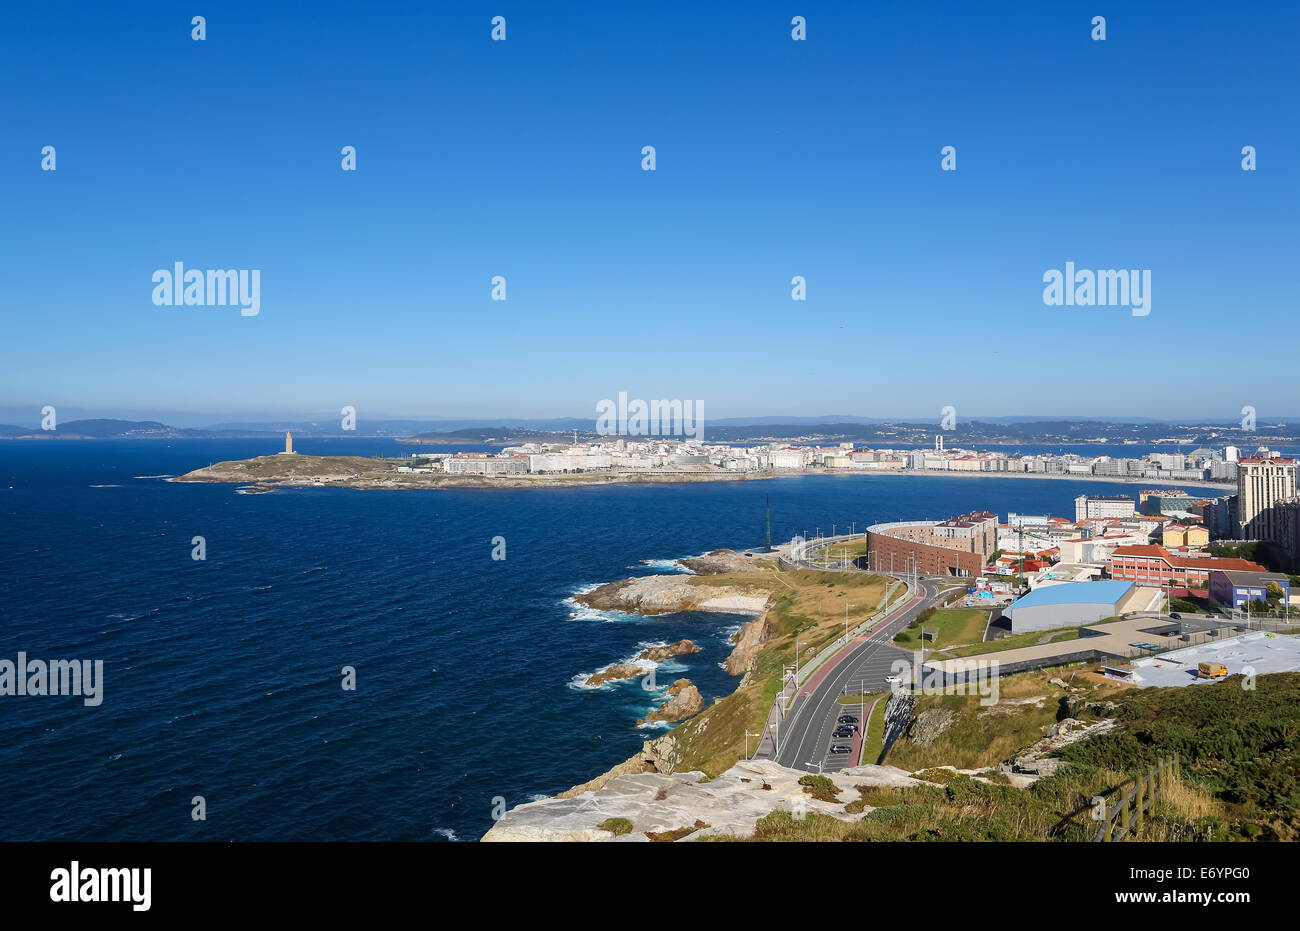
pixel 664 594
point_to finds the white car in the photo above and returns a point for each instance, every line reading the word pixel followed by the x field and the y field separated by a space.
pixel 893 680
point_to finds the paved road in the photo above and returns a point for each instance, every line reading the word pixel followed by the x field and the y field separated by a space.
pixel 806 732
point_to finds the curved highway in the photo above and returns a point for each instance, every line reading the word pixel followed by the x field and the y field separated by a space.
pixel 862 666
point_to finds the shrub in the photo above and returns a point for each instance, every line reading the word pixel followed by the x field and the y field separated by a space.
pixel 616 826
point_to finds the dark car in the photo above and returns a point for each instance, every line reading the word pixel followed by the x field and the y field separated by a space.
pixel 844 730
pixel 847 719
pixel 1175 615
pixel 841 748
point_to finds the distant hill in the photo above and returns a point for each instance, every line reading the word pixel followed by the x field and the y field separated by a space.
pixel 973 432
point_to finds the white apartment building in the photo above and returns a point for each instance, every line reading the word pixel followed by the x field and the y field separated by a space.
pixel 789 458
pixel 569 462
pixel 1088 506
pixel 1262 483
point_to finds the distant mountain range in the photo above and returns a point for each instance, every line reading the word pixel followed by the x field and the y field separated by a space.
pixel 990 431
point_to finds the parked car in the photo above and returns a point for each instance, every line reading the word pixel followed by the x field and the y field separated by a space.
pixel 847 719
pixel 841 748
pixel 893 680
pixel 845 730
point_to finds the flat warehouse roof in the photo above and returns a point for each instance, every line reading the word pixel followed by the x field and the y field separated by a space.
pixel 1260 652
pixel 1074 593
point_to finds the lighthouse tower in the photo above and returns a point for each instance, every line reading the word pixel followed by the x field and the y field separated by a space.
pixel 288 442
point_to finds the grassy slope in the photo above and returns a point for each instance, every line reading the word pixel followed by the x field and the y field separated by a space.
pixel 873 740
pixel 987 735
pixel 808 607
pixel 1240 750
pixel 946 627
pixel 1240 745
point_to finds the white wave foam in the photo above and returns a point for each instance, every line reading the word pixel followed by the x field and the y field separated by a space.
pixel 666 566
pixel 581 612
pixel 579 682
pixel 655 726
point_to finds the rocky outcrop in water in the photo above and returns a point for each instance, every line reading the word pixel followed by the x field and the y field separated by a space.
pixel 640 665
pixel 684 701
pixel 718 562
pixel 666 594
pixel 617 671
pixel 655 654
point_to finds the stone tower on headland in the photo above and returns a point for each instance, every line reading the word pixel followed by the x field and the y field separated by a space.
pixel 288 442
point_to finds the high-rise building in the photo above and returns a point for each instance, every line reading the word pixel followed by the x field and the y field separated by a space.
pixel 1261 485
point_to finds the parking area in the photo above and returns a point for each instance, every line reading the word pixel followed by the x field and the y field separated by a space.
pixel 842 740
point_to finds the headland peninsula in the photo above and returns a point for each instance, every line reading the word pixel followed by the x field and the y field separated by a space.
pixel 287 470
pixel 266 473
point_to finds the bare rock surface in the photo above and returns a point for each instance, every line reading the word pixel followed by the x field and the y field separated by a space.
pixel 684 700
pixel 666 594
pixel 657 802
pixel 746 644
pixel 673 649
pixel 928 725
pixel 617 671
pixel 718 562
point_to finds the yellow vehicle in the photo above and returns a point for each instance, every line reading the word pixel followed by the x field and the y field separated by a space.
pixel 1211 670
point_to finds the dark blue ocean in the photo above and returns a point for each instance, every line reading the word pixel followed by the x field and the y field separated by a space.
pixel 222 677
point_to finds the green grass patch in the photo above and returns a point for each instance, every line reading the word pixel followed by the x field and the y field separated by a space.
pixel 819 787
pixel 873 732
pixel 946 627
pixel 616 826
pixel 1015 641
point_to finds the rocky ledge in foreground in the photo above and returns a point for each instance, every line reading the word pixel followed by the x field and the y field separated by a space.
pixel 669 804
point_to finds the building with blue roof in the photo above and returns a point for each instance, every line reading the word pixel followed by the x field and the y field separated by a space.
pixel 1070 604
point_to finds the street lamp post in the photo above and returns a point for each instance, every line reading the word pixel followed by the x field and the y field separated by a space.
pixel 846 622
pixel 747 736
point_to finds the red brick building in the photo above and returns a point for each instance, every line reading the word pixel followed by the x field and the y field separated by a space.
pixel 1155 565
pixel 926 547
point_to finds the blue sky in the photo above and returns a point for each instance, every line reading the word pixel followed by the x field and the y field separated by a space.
pixel 775 158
